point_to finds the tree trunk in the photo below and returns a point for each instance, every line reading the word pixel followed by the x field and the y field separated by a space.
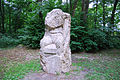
pixel 9 14
pixel 70 6
pixel 86 9
pixel 3 16
pixel 9 19
pixel 113 13
pixel 96 14
pixel 85 6
pixel 67 6
pixel 0 16
pixel 40 13
pixel 39 0
pixel 74 7
pixel 104 13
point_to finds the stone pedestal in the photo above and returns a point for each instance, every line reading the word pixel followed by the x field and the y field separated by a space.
pixel 55 53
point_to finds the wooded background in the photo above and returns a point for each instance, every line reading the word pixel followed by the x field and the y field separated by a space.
pixel 92 28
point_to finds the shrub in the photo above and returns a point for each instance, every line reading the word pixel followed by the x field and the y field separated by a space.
pixel 99 37
pixel 76 38
pixel 115 42
pixel 80 41
pixel 91 40
pixel 8 41
pixel 32 33
pixel 103 40
pixel 76 35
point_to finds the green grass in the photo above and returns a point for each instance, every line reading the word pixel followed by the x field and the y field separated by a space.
pixel 67 73
pixel 17 71
pixel 104 66
pixel 101 69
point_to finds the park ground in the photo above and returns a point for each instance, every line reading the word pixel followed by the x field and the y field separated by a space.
pixel 20 63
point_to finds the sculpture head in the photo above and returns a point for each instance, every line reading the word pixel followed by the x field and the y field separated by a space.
pixel 54 18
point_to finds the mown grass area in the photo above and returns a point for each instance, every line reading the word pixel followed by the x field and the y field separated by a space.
pixel 105 66
pixel 16 71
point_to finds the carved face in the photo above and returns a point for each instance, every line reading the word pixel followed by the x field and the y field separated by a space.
pixel 54 19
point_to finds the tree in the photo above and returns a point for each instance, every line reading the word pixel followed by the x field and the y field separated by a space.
pixel 74 7
pixel 113 13
pixel 9 11
pixel 103 5
pixel 0 16
pixel 96 13
pixel 70 6
pixel 40 12
pixel 85 6
pixel 67 8
pixel 2 11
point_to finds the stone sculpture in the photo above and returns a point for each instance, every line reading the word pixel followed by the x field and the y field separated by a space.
pixel 55 53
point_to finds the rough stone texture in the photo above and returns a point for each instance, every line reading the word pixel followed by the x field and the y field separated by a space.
pixel 55 53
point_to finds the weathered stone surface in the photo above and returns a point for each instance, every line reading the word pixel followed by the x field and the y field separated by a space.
pixel 55 53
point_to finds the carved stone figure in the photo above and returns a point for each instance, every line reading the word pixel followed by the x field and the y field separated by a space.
pixel 55 53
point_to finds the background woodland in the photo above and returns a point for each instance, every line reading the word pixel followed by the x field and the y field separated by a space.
pixel 92 28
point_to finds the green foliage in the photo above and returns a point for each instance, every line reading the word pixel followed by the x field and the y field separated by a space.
pixel 103 39
pixel 91 39
pixel 8 41
pixel 31 35
pixel 115 41
pixel 67 73
pixel 25 19
pixel 76 35
pixel 33 29
pixel 80 41
pixel 99 37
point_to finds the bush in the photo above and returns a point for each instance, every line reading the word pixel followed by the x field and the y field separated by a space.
pixel 90 40
pixel 80 41
pixel 115 42
pixel 32 33
pixel 8 41
pixel 76 42
pixel 99 37
pixel 103 40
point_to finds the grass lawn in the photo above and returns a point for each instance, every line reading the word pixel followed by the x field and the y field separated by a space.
pixel 104 65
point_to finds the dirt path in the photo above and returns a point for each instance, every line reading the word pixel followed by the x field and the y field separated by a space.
pixel 46 76
pixel 73 74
